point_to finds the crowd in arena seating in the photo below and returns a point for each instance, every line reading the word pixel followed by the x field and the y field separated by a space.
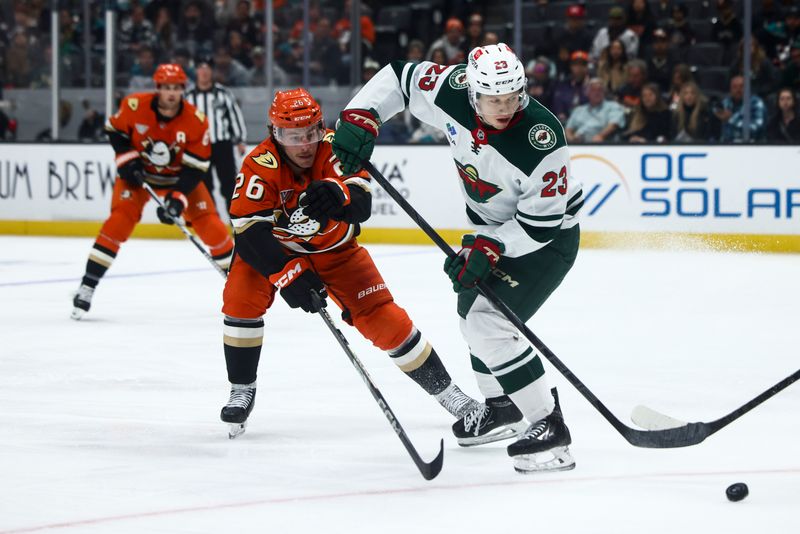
pixel 642 71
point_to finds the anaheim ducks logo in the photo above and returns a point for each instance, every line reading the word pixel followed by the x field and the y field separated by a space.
pixel 477 189
pixel 293 223
pixel 159 154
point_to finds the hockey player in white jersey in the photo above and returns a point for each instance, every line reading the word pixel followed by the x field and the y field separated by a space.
pixel 512 159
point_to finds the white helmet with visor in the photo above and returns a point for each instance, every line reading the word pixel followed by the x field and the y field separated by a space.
pixel 496 81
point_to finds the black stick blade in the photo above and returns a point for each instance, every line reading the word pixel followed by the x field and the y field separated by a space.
pixel 669 438
pixel 430 470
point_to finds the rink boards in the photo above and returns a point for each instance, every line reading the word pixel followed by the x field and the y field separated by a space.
pixel 740 197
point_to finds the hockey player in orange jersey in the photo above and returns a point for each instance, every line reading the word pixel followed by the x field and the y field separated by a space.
pixel 161 139
pixel 296 218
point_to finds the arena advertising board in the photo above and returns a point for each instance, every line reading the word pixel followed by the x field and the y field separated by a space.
pixel 692 189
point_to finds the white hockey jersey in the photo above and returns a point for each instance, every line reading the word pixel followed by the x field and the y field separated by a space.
pixel 516 182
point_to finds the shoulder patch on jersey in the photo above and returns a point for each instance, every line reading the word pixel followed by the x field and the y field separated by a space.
pixel 133 103
pixel 328 137
pixel 458 78
pixel 542 137
pixel 200 115
pixel 267 159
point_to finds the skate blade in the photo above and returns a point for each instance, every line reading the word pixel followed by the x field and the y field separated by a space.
pixel 498 434
pixel 236 429
pixel 77 313
pixel 556 459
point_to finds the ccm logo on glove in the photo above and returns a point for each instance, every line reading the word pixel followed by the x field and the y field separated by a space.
pixel 290 271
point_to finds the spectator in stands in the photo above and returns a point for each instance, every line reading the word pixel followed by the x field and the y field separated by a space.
pixel 661 60
pixel 611 66
pixel 541 85
pixel 629 95
pixel 325 62
pixel 490 38
pixel 438 56
pixel 238 49
pixel 681 74
pixel 727 29
pixel 135 32
pixel 341 30
pixel 248 26
pixel 571 92
pixel 641 21
pixel 574 35
pixel 91 127
pixel 64 116
pixel 258 74
pixel 692 119
pixel 474 36
pixel 71 60
pixel 194 32
pixel 764 76
pixel 792 29
pixel 227 70
pixel 181 57
pixel 141 76
pixel 165 34
pixel 681 35
pixel 598 120
pixel 662 9
pixel 791 72
pixel 651 118
pixel 731 114
pixel 616 30
pixel 452 42
pixel 20 60
pixel 313 18
pixel 415 51
pixel 784 126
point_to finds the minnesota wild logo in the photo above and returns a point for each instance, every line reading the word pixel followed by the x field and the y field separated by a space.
pixel 477 189
pixel 458 79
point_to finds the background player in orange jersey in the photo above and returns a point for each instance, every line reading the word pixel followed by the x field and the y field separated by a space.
pixel 296 217
pixel 161 139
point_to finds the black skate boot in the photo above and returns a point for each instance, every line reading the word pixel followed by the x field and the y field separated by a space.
pixel 240 404
pixel 544 445
pixel 82 301
pixel 495 420
pixel 456 401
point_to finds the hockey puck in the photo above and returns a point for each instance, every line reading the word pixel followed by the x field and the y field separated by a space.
pixel 737 492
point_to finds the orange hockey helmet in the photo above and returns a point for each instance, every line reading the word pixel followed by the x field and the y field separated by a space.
pixel 169 73
pixel 296 118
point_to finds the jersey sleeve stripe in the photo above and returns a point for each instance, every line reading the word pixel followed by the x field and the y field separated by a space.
pixel 409 74
pixel 539 233
pixel 556 217
pixel 539 223
pixel 360 182
pixel 195 162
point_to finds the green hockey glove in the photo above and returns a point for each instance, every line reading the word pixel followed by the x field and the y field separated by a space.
pixel 479 254
pixel 355 136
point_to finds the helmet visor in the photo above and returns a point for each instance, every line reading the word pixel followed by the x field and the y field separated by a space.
pixel 306 135
pixel 504 105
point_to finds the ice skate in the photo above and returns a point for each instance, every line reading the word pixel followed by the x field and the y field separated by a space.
pixel 495 420
pixel 456 401
pixel 240 404
pixel 544 445
pixel 82 301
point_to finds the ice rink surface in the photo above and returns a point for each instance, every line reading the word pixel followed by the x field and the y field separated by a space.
pixel 110 425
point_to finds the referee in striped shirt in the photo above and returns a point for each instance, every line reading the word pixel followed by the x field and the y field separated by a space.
pixel 225 125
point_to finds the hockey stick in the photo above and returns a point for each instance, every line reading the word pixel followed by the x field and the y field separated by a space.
pixel 428 470
pixel 179 223
pixel 665 438
pixel 652 420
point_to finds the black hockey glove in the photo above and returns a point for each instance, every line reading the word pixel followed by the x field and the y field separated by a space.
pixel 296 281
pixel 326 199
pixel 132 172
pixel 174 204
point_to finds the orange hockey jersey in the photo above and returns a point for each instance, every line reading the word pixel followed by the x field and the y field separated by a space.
pixel 266 191
pixel 165 145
